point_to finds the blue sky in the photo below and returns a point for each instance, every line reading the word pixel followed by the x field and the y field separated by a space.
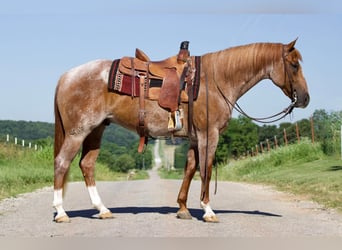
pixel 40 40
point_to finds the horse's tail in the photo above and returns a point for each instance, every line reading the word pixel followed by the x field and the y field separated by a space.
pixel 59 129
pixel 59 137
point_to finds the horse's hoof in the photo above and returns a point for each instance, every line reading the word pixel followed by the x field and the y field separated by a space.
pixel 106 215
pixel 184 215
pixel 211 219
pixel 62 219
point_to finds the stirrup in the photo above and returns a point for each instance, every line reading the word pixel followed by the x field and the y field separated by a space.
pixel 176 123
pixel 178 117
pixel 171 124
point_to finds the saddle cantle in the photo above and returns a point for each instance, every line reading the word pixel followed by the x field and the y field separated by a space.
pixel 165 81
pixel 141 55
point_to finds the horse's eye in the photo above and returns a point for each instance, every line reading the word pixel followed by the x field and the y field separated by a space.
pixel 295 66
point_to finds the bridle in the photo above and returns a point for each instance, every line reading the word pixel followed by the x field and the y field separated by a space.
pixel 273 118
pixel 269 119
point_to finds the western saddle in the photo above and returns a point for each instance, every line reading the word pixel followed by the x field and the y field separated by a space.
pixel 174 72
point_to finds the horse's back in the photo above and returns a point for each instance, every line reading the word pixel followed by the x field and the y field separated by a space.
pixel 93 70
pixel 80 93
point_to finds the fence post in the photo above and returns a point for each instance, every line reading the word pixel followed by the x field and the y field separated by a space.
pixel 7 138
pixel 261 148
pixel 285 137
pixel 275 142
pixel 15 140
pixel 268 145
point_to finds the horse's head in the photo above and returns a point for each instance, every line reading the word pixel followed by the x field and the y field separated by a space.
pixel 288 75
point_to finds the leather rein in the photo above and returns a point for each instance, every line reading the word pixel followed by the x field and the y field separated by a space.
pixel 272 118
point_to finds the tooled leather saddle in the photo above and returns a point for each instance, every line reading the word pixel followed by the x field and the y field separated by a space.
pixel 165 81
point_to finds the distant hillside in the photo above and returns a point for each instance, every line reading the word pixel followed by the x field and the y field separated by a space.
pixel 28 130
pixel 118 150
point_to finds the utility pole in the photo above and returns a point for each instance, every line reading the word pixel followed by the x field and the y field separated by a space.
pixel 312 130
pixel 297 132
pixel 285 137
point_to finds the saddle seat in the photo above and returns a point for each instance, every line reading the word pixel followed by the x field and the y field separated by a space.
pixel 154 69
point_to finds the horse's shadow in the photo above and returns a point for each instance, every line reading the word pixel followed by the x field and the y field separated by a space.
pixel 196 213
pixel 335 168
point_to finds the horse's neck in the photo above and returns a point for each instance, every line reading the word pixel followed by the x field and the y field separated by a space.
pixel 238 69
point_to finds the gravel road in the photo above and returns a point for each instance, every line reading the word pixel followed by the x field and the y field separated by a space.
pixel 147 208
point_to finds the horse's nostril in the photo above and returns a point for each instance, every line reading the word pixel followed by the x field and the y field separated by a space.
pixel 306 100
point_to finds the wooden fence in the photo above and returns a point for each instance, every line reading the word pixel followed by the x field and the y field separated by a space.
pixel 285 138
pixel 15 141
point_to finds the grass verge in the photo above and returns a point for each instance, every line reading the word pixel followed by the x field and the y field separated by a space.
pixel 24 170
pixel 300 169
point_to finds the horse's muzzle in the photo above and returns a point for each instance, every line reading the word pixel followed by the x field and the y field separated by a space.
pixel 302 100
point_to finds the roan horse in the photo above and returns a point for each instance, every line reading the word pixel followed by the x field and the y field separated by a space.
pixel 84 106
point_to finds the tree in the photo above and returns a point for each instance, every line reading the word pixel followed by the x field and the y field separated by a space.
pixel 124 163
pixel 267 131
pixel 304 128
pixel 321 124
pixel 240 137
pixel 142 160
pixel 290 132
pixel 327 130
pixel 181 154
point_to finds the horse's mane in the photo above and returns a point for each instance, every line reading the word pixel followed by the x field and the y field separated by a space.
pixel 248 59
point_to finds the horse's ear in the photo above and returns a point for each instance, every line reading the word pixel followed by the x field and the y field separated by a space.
pixel 291 45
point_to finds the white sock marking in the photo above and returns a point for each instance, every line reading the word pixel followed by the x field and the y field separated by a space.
pixel 58 203
pixel 96 200
pixel 208 212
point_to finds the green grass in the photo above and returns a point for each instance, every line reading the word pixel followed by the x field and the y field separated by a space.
pixel 301 169
pixel 24 170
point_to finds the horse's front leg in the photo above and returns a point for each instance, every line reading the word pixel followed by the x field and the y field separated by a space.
pixel 90 152
pixel 189 171
pixel 206 159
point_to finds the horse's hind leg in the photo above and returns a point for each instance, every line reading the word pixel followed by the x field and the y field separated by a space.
pixel 90 152
pixel 62 162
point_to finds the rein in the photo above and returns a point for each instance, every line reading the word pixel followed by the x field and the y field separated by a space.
pixel 264 120
pixel 206 170
pixel 272 118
